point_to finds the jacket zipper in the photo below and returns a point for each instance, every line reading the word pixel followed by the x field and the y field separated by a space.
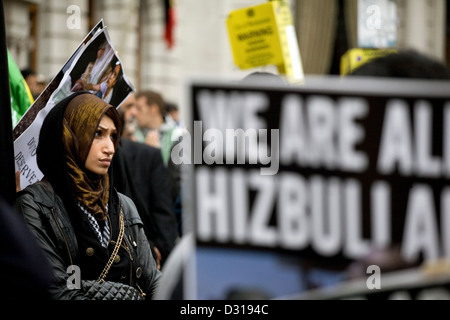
pixel 64 236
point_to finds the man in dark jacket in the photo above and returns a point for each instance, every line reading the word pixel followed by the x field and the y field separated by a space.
pixel 139 172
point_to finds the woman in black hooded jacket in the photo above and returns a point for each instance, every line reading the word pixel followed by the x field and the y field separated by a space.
pixel 92 235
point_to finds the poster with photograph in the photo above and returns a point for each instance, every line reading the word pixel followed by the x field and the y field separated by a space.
pixel 43 98
pixel 93 67
pixel 300 188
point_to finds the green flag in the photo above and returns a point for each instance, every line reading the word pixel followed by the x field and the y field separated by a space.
pixel 21 98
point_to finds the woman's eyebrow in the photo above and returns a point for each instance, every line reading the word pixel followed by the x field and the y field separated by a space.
pixel 105 128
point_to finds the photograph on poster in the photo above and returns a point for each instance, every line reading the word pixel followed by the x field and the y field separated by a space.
pixel 94 67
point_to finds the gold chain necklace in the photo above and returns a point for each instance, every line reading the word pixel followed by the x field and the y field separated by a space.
pixel 105 271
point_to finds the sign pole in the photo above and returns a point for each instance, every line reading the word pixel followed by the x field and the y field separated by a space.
pixel 7 176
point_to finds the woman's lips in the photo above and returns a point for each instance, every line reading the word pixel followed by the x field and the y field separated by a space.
pixel 105 162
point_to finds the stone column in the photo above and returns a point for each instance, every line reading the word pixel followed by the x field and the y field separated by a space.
pixel 422 26
pixel 59 33
pixel 18 29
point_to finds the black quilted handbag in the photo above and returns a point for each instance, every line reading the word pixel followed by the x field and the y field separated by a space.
pixel 108 290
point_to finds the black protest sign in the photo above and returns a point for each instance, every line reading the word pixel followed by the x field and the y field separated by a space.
pixel 410 284
pixel 331 170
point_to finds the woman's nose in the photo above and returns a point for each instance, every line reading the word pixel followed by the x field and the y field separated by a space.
pixel 109 147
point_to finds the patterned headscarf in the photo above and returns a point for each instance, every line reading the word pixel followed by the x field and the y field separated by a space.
pixel 81 120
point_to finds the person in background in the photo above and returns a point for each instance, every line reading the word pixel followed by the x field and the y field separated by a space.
pixel 35 81
pixel 265 78
pixel 173 114
pixel 128 114
pixel 31 77
pixel 77 216
pixel 139 172
pixel 153 128
pixel 408 64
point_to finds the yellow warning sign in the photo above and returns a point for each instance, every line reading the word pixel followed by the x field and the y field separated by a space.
pixel 354 58
pixel 264 35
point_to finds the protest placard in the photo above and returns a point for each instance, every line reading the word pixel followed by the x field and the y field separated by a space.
pixel 94 62
pixel 264 35
pixel 408 284
pixel 292 187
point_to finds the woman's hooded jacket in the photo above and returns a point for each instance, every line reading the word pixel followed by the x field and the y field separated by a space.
pixel 57 208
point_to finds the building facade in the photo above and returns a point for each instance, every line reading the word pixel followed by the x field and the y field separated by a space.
pixel 43 34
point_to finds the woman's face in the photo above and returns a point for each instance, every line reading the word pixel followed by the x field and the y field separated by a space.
pixel 102 148
pixel 113 77
pixel 100 52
